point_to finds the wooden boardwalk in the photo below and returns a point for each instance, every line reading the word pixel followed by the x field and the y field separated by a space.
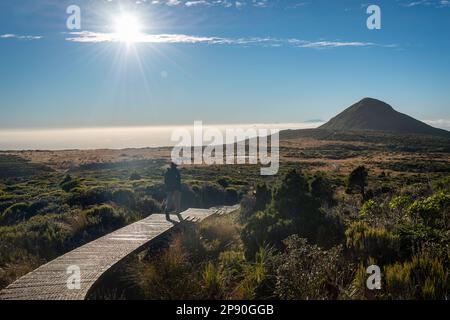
pixel 50 281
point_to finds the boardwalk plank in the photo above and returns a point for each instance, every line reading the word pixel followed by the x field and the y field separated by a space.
pixel 49 282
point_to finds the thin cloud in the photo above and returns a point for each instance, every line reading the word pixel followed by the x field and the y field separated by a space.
pixel 212 3
pixel 20 37
pixel 341 44
pixel 298 5
pixel 172 3
pixel 98 37
pixel 197 3
pixel 429 3
pixel 439 123
pixel 95 37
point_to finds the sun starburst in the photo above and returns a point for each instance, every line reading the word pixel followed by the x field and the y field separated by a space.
pixel 128 28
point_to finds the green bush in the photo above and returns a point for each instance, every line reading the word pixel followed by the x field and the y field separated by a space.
pixel 15 213
pixel 67 178
pixel 322 190
pixel 231 196
pixel 224 182
pixel 420 278
pixel 308 272
pixel 233 266
pixel 88 196
pixel 358 180
pixel 6 197
pixel 257 281
pixel 148 205
pixel 293 210
pixel 156 191
pixel 433 210
pixel 265 228
pixel 443 184
pixel 378 243
pixel 212 282
pixel 370 208
pixel 212 195
pixel 293 200
pixel 102 219
pixel 190 197
pixel 263 196
pixel 70 185
pixel 247 209
pixel 40 236
pixel 219 234
pixel 169 276
pixel 292 197
pixel 400 202
pixel 414 236
pixel 135 176
pixel 124 198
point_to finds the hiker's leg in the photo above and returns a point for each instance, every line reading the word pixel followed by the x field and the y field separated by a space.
pixel 177 201
pixel 168 204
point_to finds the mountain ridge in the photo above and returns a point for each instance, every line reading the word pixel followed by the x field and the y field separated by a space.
pixel 375 115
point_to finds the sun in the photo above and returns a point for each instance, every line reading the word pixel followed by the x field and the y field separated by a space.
pixel 128 28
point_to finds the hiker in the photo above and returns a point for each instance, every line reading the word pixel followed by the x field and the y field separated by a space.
pixel 172 181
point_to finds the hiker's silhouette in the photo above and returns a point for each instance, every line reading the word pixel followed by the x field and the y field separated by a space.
pixel 172 181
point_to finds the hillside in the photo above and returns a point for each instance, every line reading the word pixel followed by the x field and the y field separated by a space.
pixel 375 115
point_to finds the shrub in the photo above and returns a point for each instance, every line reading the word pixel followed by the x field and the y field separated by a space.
pixel 124 198
pixel 432 210
pixel 223 182
pixel 212 196
pixel 370 194
pixel 257 279
pixel 190 197
pixel 21 211
pixel 420 278
pixel 157 191
pixel 6 197
pixel 293 200
pixel 413 236
pixel 357 289
pixel 212 282
pixel 248 203
pixel 67 178
pixel 308 271
pixel 265 228
pixel 443 184
pixel 370 208
pixel 148 205
pixel 358 179
pixel 263 196
pixel 233 266
pixel 293 210
pixel 70 185
pixel 87 197
pixel 169 276
pixel 231 196
pixel 16 213
pixel 135 176
pixel 400 202
pixel 321 189
pixel 38 205
pixel 102 219
pixel 377 243
pixel 292 197
pixel 192 243
pixel 219 234
pixel 40 236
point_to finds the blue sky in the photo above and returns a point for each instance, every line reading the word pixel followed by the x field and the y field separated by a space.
pixel 219 61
